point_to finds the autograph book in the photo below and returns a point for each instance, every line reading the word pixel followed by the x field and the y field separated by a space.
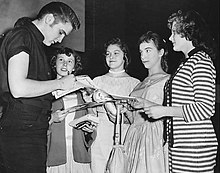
pixel 89 119
pixel 82 81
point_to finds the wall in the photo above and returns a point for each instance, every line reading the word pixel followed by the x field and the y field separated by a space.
pixel 11 10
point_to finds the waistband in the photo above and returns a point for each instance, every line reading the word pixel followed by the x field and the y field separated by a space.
pixel 32 113
pixel 29 108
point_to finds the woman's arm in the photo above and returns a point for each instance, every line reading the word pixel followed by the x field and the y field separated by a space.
pixel 158 111
pixel 58 116
pixel 124 111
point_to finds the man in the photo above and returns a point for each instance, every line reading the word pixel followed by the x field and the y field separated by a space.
pixel 25 87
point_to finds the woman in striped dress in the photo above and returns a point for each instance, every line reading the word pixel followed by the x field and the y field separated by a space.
pixel 191 97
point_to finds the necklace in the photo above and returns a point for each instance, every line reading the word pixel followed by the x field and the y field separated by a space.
pixel 116 72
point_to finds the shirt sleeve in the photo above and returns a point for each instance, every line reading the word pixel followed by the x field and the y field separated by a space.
pixel 203 81
pixel 19 41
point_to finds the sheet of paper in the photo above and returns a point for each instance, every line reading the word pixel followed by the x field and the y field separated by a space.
pixel 82 82
pixel 85 82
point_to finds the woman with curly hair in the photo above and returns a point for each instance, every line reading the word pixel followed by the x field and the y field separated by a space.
pixel 190 97
pixel 116 82
pixel 68 149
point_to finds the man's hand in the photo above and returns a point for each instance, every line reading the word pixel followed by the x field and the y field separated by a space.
pixel 67 82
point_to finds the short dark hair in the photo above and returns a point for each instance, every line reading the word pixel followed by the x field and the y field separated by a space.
pixel 61 12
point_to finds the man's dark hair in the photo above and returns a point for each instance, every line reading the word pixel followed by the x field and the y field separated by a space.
pixel 61 12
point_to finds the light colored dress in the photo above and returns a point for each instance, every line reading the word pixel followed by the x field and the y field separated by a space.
pixel 70 166
pixel 144 139
pixel 103 143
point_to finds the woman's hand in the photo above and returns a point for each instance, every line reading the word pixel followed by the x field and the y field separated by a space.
pixel 86 97
pixel 140 103
pixel 110 108
pixel 58 116
pixel 159 111
pixel 101 96
pixel 155 112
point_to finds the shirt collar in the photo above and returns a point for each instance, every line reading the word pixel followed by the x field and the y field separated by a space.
pixel 39 36
pixel 27 23
pixel 193 51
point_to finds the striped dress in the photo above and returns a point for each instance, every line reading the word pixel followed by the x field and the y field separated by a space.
pixel 195 144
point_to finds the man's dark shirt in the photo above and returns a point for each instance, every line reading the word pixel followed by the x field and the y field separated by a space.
pixel 25 37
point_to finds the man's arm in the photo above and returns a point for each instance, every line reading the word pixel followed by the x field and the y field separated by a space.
pixel 21 86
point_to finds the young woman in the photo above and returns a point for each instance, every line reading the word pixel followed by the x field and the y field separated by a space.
pixel 68 151
pixel 191 97
pixel 144 142
pixel 116 81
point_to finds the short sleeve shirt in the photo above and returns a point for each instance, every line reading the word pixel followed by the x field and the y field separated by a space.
pixel 26 38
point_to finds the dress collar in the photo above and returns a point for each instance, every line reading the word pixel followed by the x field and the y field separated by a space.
pixel 193 51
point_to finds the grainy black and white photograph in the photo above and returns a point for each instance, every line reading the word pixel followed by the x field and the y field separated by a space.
pixel 109 86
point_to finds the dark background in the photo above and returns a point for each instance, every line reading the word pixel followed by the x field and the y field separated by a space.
pixel 129 19
pixel 11 10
